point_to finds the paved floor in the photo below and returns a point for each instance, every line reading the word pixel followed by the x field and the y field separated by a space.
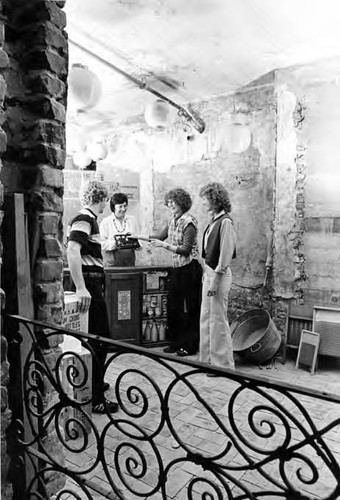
pixel 201 432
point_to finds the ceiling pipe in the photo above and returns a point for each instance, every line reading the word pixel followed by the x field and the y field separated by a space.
pixel 192 119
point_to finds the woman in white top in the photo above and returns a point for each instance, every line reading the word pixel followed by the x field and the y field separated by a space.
pixel 117 224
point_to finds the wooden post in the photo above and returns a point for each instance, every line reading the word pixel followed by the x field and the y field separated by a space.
pixel 18 288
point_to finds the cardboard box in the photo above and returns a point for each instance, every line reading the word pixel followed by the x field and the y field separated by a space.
pixel 73 318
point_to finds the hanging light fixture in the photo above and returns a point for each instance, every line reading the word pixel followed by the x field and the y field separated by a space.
pixel 97 150
pixel 159 115
pixel 236 138
pixel 192 118
pixel 81 159
pixel 85 86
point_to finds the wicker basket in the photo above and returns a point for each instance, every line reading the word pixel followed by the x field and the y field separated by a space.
pixel 255 336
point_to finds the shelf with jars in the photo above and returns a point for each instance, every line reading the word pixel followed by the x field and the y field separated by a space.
pixel 137 303
pixel 155 306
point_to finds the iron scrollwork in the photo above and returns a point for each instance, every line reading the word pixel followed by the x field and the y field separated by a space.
pixel 252 438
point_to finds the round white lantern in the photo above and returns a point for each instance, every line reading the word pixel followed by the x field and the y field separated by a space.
pixel 81 159
pixel 84 85
pixel 236 138
pixel 97 151
pixel 159 115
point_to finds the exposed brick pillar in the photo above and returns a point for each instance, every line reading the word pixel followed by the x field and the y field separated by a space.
pixel 35 104
pixel 6 487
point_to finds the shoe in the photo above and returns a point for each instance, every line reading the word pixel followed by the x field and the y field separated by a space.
pixel 182 352
pixel 108 407
pixel 106 386
pixel 169 350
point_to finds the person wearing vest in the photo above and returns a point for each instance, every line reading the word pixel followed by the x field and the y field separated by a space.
pixel 85 261
pixel 180 238
pixel 218 249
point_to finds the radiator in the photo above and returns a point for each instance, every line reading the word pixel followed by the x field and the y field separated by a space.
pixel 326 322
pixel 295 326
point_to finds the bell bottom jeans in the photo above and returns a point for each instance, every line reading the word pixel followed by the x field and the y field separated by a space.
pixel 215 337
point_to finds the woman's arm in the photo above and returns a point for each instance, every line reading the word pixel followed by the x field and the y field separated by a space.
pixel 107 241
pixel 227 247
pixel 161 236
pixel 189 235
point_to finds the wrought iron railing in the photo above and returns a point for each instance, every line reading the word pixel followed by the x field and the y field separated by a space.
pixel 178 434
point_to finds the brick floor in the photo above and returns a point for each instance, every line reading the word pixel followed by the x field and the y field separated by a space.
pixel 201 433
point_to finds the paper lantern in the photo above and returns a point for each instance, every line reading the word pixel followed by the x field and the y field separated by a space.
pixel 97 151
pixel 236 138
pixel 85 86
pixel 159 115
pixel 81 159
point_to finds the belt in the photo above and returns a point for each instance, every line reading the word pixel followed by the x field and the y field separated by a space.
pixel 93 275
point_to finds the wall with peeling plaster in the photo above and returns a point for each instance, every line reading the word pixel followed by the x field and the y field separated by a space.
pixel 307 222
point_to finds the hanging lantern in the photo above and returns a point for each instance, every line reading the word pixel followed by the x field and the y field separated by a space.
pixel 159 115
pixel 236 138
pixel 81 159
pixel 85 86
pixel 97 150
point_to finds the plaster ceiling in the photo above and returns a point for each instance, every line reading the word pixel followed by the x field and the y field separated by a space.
pixel 203 47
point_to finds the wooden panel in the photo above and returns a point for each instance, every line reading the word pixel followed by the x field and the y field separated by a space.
pixel 308 349
pixel 19 300
pixel 123 299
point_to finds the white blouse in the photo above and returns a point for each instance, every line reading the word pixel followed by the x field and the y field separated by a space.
pixel 111 227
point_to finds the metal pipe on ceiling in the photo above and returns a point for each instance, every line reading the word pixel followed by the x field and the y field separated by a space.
pixel 193 120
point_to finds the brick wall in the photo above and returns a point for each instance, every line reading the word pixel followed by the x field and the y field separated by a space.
pixel 36 50
pixel 6 487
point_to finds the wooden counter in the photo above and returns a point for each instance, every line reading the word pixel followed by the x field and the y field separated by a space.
pixel 136 299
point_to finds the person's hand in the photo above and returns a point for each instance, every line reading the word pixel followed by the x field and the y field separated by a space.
pixel 157 243
pixel 84 299
pixel 212 292
pixel 213 289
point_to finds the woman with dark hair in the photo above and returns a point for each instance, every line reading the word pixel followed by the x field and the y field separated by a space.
pixel 180 238
pixel 115 225
pixel 219 248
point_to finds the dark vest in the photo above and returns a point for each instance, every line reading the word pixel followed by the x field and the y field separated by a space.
pixel 211 256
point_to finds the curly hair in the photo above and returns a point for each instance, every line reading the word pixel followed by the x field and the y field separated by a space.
pixel 118 199
pixel 94 192
pixel 179 196
pixel 217 195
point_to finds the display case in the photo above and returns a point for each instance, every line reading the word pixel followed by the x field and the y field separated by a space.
pixel 137 303
pixel 155 306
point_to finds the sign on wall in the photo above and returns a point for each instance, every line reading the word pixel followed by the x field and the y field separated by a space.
pixel 125 182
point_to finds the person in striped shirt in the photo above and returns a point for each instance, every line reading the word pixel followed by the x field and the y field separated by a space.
pixel 85 261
